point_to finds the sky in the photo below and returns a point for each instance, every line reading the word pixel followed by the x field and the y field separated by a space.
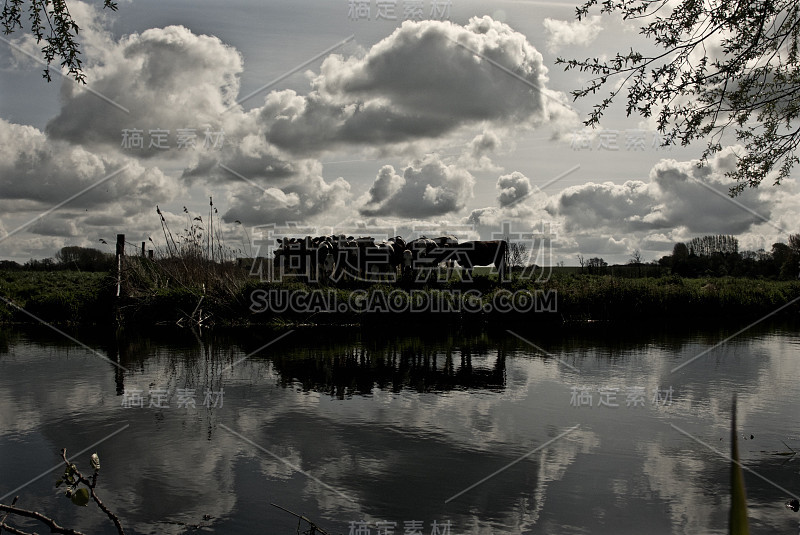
pixel 379 118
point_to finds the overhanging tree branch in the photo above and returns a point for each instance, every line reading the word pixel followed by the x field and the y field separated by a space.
pixel 751 86
pixel 60 32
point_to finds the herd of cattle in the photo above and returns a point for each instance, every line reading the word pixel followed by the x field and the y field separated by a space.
pixel 344 257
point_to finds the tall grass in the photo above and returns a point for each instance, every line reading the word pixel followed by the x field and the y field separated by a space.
pixel 195 267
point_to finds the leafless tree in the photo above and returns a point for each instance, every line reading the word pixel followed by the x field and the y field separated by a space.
pixel 518 255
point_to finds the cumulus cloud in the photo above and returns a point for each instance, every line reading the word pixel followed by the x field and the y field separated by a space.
pixel 106 193
pixel 478 153
pixel 252 158
pixel 175 81
pixel 675 203
pixel 677 194
pixel 43 172
pixel 426 188
pixel 562 33
pixel 591 205
pixel 386 185
pixel 484 144
pixel 517 201
pixel 425 80
pixel 512 188
pixel 519 209
pixel 307 195
pixel 167 78
pixel 61 225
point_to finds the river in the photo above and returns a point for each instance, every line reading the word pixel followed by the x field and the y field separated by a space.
pixel 591 429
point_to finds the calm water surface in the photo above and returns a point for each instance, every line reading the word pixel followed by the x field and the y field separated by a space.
pixel 483 430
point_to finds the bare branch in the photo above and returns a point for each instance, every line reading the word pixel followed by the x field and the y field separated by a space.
pixel 49 522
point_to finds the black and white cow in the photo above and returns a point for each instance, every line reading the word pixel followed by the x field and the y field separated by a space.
pixel 482 253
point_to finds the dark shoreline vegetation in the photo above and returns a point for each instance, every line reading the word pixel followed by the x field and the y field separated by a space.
pixel 227 296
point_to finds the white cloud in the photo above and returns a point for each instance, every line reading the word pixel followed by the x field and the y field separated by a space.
pixel 168 79
pixel 477 154
pixel 562 33
pixel 676 194
pixel 45 172
pixel 386 185
pixel 425 80
pixel 673 204
pixel 512 188
pixel 519 209
pixel 426 188
pixel 306 196
pixel 37 174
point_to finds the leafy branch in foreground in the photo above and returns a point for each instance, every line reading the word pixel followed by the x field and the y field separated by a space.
pixel 718 65
pixel 50 20
pixel 79 495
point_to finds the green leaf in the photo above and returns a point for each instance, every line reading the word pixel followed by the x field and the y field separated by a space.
pixel 81 497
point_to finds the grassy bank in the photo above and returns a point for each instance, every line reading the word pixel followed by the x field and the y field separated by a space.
pixel 672 298
pixel 228 296
pixel 57 296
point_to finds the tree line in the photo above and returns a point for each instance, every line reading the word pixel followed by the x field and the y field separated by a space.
pixel 67 258
pixel 719 256
pixel 706 256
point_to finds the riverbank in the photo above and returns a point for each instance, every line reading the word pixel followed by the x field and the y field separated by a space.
pixel 62 297
pixel 83 298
